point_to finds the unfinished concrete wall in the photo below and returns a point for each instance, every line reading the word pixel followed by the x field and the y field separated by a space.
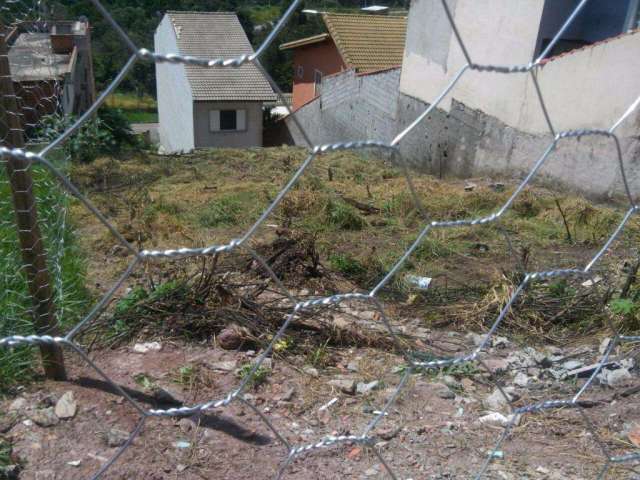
pixel 351 107
pixel 468 142
pixel 494 122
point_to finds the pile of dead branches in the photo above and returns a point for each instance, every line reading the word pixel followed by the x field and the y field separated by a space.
pixel 234 301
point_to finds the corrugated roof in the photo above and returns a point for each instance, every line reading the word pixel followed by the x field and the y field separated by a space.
pixel 218 35
pixel 368 42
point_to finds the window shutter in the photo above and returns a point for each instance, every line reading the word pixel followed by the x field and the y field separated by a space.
pixel 241 120
pixel 214 120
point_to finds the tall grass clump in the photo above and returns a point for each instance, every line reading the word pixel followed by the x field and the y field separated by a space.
pixel 66 269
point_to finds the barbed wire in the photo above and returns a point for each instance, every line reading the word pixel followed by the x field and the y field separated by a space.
pixel 414 361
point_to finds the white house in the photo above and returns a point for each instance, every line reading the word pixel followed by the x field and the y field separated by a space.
pixel 208 107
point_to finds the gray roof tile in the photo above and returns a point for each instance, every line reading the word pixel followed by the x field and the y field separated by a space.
pixel 219 35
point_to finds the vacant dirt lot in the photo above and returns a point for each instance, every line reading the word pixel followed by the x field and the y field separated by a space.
pixel 339 230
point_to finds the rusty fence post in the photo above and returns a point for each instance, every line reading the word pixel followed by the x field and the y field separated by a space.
pixel 34 255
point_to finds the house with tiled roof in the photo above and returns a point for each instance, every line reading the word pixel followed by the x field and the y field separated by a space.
pixel 208 107
pixel 362 43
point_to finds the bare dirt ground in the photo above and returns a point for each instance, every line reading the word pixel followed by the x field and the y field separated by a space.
pixel 433 431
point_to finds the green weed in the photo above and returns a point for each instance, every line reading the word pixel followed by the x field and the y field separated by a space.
pixel 258 377
pixel 343 216
pixel 347 265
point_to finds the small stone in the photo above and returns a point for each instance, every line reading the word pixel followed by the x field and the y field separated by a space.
pixel 18 404
pixel 615 378
pixel 66 407
pixel 445 393
pixel 572 364
pixel 311 371
pixel 74 463
pixel 476 338
pixel 347 386
pixel 451 382
pixel 180 468
pixel 288 395
pixel 521 380
pixel 496 419
pixel 224 366
pixel 497 365
pixel 147 347
pixel 497 401
pixel 186 425
pixel 45 417
pixel 469 187
pixel 116 438
pixel 498 342
pixel 324 415
pixel 230 338
pixel 352 366
pixel 365 388
pixel 370 472
pixel 181 444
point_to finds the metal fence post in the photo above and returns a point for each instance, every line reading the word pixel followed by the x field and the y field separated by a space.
pixel 34 255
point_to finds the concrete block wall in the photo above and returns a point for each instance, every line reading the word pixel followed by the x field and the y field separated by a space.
pixel 351 107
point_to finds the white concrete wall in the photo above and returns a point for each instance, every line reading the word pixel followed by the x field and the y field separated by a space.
pixel 175 99
pixel 586 88
pixel 499 32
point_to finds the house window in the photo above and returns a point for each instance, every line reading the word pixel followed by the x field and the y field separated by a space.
pixel 300 71
pixel 317 82
pixel 227 120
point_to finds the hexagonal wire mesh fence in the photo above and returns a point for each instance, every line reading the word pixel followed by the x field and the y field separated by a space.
pixel 44 159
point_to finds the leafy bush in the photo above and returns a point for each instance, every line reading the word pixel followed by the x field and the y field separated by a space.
pixel 346 265
pixel 108 133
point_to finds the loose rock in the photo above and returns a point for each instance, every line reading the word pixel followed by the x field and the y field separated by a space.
pixel 66 407
pixel 347 386
pixel 45 417
pixel 224 366
pixel 615 378
pixel 18 404
pixel 521 380
pixel 495 418
pixel 311 371
pixel 116 437
pixel 147 347
pixel 497 401
pixel 364 388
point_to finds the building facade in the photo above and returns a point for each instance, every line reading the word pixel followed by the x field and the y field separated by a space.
pixel 208 107
pixel 52 68
pixel 364 43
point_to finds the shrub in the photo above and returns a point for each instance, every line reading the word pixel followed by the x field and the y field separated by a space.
pixel 346 265
pixel 343 216
pixel 108 133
